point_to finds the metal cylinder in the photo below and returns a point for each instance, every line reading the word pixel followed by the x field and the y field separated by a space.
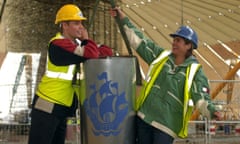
pixel 107 110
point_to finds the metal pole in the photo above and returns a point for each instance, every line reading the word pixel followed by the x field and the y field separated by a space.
pixel 124 35
pixel 182 12
pixel 2 9
pixel 93 15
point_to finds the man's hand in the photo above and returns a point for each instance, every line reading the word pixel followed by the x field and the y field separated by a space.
pixel 84 34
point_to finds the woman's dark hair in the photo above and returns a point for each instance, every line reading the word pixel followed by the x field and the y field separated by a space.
pixel 190 51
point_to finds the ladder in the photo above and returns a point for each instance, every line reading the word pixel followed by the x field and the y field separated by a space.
pixel 17 80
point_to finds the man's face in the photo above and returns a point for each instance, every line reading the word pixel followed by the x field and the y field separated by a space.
pixel 73 29
pixel 179 47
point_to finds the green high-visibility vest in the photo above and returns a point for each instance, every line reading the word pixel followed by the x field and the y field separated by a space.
pixel 154 70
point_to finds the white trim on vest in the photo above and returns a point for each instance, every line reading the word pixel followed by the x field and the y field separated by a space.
pixel 161 56
pixel 193 70
pixel 61 75
pixel 164 54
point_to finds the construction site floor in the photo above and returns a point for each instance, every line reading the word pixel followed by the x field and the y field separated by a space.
pixel 10 137
pixel 16 133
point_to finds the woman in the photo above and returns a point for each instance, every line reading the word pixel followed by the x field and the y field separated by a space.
pixel 165 103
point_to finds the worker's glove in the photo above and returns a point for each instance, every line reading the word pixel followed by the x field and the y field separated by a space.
pixel 105 51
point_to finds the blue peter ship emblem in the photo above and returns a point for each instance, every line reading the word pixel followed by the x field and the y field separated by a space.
pixel 106 106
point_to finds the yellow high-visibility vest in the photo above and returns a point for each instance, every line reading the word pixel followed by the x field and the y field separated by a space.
pixel 56 84
pixel 152 74
pixel 188 103
pixel 154 70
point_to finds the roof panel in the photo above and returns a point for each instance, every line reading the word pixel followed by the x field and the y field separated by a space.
pixel 214 21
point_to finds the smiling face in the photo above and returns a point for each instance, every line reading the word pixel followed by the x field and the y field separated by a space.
pixel 180 46
pixel 72 29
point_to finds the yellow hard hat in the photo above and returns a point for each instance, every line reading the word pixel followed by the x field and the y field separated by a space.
pixel 69 12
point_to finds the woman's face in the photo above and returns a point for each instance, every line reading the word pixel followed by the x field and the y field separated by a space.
pixel 179 47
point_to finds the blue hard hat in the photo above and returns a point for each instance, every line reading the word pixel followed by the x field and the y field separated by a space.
pixel 187 33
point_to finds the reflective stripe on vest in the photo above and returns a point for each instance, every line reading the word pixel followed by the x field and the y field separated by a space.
pixel 61 75
pixel 152 74
pixel 156 63
pixel 188 103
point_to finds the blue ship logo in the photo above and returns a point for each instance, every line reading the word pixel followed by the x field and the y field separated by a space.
pixel 106 107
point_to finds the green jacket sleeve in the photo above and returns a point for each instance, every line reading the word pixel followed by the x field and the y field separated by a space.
pixel 144 46
pixel 201 95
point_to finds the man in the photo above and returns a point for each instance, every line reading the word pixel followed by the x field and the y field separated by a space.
pixel 55 100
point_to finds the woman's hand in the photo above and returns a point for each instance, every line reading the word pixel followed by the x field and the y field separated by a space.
pixel 218 115
pixel 117 11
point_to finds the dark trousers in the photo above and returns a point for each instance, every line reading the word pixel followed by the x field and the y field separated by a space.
pixel 46 128
pixel 147 134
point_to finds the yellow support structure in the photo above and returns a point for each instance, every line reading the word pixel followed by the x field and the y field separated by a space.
pixel 215 92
